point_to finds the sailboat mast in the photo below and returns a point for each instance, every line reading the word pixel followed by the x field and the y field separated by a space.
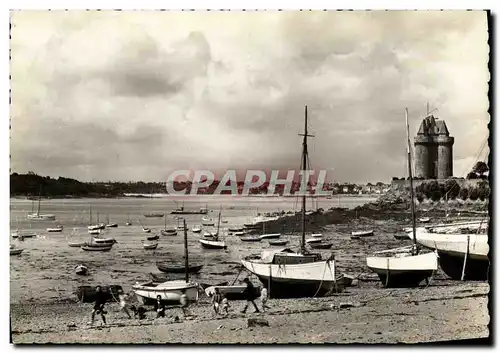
pixel 218 224
pixel 39 199
pixel 186 260
pixel 410 175
pixel 304 165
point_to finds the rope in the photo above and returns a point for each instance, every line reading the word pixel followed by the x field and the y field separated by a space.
pixel 321 283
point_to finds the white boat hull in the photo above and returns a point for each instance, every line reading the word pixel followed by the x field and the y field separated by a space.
pixel 270 236
pixel 298 280
pixel 404 270
pixel 170 291
pixel 453 249
pixel 42 217
pixel 212 244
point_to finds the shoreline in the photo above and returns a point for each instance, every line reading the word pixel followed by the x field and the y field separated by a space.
pixel 443 311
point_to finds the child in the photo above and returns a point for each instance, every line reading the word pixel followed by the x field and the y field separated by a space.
pixel 122 297
pixel 184 303
pixel 263 298
pixel 225 306
pixel 216 300
pixel 159 307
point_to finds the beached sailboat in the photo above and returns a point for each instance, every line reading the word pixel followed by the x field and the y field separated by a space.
pixel 214 243
pixel 169 291
pixel 461 256
pixel 97 226
pixel 37 215
pixel 288 274
pixel 400 267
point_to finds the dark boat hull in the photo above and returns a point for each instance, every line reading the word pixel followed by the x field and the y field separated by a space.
pixel 303 288
pixel 320 246
pixel 86 294
pixel 178 268
pixel 168 233
pixel 154 237
pixel 475 269
pixel 404 279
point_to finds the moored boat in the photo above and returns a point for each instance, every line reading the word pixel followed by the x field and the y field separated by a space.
pixel 313 240
pixel 77 244
pixel 178 268
pixel 362 233
pixel 56 229
pixel 270 236
pixel 169 292
pixel 150 246
pixel 321 245
pixel 289 274
pixel 213 244
pixel 15 251
pixel 81 270
pixel 154 215
pixel 104 247
pixel 404 267
pixel 250 239
pixel 278 242
pixel 168 232
pixel 153 237
pixel 196 229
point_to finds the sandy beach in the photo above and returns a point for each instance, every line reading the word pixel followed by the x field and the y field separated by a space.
pixel 44 307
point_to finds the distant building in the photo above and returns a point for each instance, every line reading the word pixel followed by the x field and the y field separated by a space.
pixel 433 150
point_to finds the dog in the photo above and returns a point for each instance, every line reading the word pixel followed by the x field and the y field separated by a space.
pixel 139 312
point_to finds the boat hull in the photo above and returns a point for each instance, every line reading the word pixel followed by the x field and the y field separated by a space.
pixel 209 244
pixel 298 280
pixel 14 252
pixel 77 245
pixel 97 248
pixel 148 293
pixel 405 271
pixel 168 232
pixel 150 246
pixel 476 269
pixel 178 268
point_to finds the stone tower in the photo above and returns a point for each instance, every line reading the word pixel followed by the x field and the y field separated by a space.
pixel 433 150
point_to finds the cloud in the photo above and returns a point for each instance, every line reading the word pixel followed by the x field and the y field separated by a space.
pixel 95 95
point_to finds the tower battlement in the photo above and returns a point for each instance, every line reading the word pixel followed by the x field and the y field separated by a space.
pixel 433 150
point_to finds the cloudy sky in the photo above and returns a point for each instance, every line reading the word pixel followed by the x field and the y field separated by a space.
pixel 136 95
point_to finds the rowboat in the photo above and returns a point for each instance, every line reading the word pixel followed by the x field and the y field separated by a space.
pixel 150 246
pixel 238 234
pixel 424 220
pixel 196 229
pixel 250 239
pixel 16 251
pixel 175 268
pixel 321 245
pixel 77 245
pixel 97 248
pixel 361 234
pixel 87 294
pixel 313 240
pixel 146 230
pixel 169 292
pixel 213 244
pixel 168 232
pixel 153 237
pixel 81 270
pixel 270 236
pixel 279 242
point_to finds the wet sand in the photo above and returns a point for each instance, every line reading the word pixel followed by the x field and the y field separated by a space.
pixel 43 302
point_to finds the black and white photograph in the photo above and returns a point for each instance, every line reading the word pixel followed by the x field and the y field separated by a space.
pixel 250 177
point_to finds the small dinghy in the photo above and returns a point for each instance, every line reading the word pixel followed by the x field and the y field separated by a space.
pixel 87 294
pixel 313 240
pixel 208 235
pixel 235 292
pixel 81 270
pixel 361 234
pixel 424 220
pixel 95 232
pixel 238 234
pixel 14 251
pixel 168 232
pixel 270 236
pixel 175 268
pixel 278 242
pixel 249 239
pixel 76 244
pixel 207 222
pixel 104 241
pixel 317 235
pixel 146 230
pixel 150 246
pixel 235 229
pixel 56 229
pixel 196 229
pixel 94 247
pixel 23 235
pixel 112 225
pixel 321 245
pixel 213 244
pixel 153 237
pixel 169 292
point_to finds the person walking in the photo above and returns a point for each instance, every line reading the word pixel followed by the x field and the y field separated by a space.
pixel 216 300
pixel 263 298
pixel 184 303
pixel 100 300
pixel 123 299
pixel 250 296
